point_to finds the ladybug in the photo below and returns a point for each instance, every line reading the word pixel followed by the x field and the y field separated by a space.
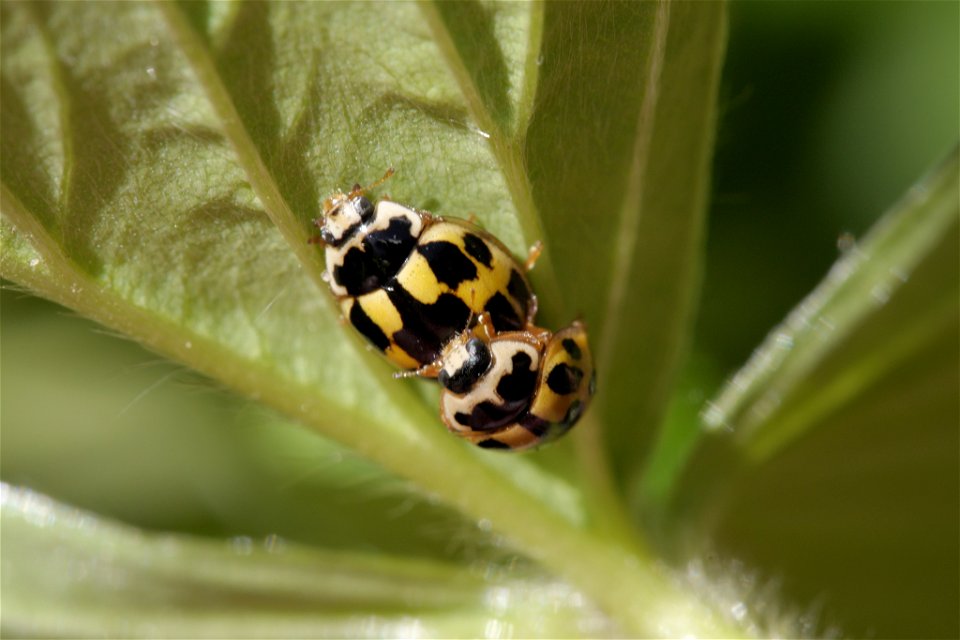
pixel 513 390
pixel 409 281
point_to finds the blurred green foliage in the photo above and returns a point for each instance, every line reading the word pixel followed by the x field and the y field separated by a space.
pixel 832 111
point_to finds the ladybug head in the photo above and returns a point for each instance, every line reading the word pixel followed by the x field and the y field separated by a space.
pixel 343 216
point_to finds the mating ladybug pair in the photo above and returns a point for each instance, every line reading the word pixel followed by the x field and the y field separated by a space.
pixel 441 298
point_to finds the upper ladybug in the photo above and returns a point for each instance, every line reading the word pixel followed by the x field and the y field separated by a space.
pixel 409 281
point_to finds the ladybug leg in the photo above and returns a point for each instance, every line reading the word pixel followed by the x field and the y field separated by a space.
pixel 533 255
pixel 318 223
pixel 539 334
pixel 542 335
pixel 486 324
pixel 532 308
pixel 431 370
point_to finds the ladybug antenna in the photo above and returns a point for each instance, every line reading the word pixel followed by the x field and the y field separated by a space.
pixel 358 190
pixel 473 319
pixel 483 319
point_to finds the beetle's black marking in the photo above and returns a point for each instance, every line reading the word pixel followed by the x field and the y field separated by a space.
pixel 493 444
pixel 354 274
pixel 488 416
pixel 572 348
pixel 448 263
pixel 427 327
pixel 478 250
pixel 564 379
pixel 518 385
pixel 518 289
pixel 573 413
pixel 462 418
pixel 534 424
pixel 502 313
pixel 365 207
pixel 333 241
pixel 389 248
pixel 362 322
pixel 477 363
pixel 384 252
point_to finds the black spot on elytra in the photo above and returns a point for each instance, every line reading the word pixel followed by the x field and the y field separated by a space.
pixel 362 322
pixel 518 385
pixel 573 413
pixel 489 416
pixel 382 255
pixel 427 327
pixel 478 250
pixel 564 379
pixel 448 263
pixel 518 289
pixel 571 347
pixel 502 313
pixel 353 273
pixel 493 444
pixel 389 248
pixel 462 418
pixel 534 424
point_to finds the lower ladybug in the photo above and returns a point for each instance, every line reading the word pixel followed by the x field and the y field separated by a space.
pixel 513 390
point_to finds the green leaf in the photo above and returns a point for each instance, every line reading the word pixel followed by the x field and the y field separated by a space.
pixel 69 573
pixel 162 181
